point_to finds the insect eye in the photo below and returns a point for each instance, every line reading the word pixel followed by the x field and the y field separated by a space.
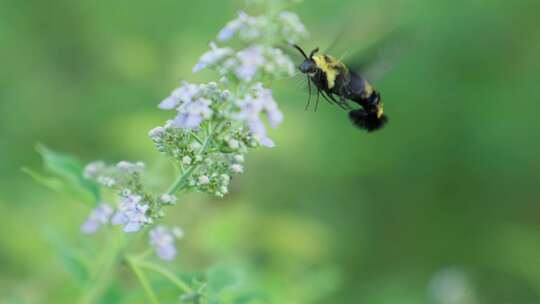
pixel 307 67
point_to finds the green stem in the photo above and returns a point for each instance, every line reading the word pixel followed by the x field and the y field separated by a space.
pixel 182 179
pixel 196 137
pixel 164 272
pixel 102 277
pixel 143 280
pixel 105 270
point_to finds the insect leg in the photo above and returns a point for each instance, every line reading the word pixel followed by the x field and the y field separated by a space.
pixel 343 100
pixel 341 104
pixel 309 90
pixel 325 96
pixel 344 104
pixel 317 102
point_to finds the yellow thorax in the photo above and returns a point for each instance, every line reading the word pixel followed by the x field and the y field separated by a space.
pixel 329 66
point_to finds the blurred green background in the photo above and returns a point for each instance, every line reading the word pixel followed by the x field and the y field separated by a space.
pixel 442 206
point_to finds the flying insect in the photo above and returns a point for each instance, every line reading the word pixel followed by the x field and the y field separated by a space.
pixel 339 84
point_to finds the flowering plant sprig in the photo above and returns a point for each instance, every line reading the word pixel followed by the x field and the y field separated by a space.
pixel 213 127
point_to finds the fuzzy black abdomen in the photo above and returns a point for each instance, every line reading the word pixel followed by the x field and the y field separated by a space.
pixel 371 116
pixel 368 121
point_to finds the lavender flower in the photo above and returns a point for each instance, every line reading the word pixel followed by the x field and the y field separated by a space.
pixel 156 133
pixel 93 169
pixel 98 217
pixel 215 125
pixel 162 239
pixel 248 27
pixel 212 57
pixel 127 167
pixel 251 107
pixel 183 94
pixel 191 115
pixel 250 60
pixel 131 213
pixel 212 129
pixel 291 27
pixel 193 104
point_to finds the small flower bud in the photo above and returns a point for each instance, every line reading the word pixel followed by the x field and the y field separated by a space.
pixel 233 143
pixel 226 94
pixel 178 232
pixel 168 198
pixel 204 180
pixel 237 168
pixel 125 192
pixel 186 160
pixel 224 80
pixel 107 181
pixel 239 158
pixel 223 190
pixel 225 178
pixel 195 146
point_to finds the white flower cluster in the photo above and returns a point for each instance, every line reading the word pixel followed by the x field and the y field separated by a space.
pixel 249 64
pixel 117 176
pixel 287 25
pixel 291 27
pixel 136 208
pixel 214 125
pixel 260 58
pixel 211 58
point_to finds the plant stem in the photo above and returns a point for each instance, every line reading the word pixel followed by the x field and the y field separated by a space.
pixel 106 267
pixel 143 280
pixel 182 179
pixel 103 276
pixel 164 272
pixel 196 137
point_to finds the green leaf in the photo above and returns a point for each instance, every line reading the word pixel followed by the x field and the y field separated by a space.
pixel 229 284
pixel 220 278
pixel 74 262
pixel 67 176
pixel 113 295
pixel 48 181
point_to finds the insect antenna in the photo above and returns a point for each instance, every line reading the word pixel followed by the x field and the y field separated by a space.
pixel 313 52
pixel 300 50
